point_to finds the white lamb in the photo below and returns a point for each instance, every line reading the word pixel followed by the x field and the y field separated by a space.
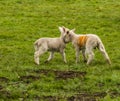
pixel 86 43
pixel 43 45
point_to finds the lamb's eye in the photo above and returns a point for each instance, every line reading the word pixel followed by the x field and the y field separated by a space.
pixel 67 32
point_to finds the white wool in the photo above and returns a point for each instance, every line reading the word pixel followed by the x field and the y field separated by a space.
pixel 43 45
pixel 92 41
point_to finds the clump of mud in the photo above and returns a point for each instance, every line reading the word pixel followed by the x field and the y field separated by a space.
pixel 57 74
pixel 62 74
pixel 87 96
pixel 4 79
pixel 77 97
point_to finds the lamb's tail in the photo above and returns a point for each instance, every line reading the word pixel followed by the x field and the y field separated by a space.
pixel 103 51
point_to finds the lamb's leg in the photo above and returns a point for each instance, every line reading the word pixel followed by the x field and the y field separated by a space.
pixel 50 57
pixel 36 57
pixel 63 56
pixel 84 56
pixel 90 55
pixel 77 54
pixel 38 53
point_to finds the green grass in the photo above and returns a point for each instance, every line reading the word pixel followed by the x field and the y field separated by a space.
pixel 24 21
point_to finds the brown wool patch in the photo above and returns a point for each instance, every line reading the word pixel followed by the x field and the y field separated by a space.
pixel 82 40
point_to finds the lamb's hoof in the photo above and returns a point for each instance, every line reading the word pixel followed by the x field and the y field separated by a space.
pixel 88 63
pixel 109 62
pixel 46 61
pixel 77 62
pixel 65 62
pixel 85 61
pixel 36 63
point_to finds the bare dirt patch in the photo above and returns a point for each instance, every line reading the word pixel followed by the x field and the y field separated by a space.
pixel 62 74
pixel 87 96
pixel 4 79
pixel 50 98
pixel 29 78
pixel 57 74
pixel 4 93
pixel 78 97
pixel 1 87
pixel 114 94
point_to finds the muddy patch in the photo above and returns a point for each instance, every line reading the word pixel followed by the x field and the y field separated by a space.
pixel 4 94
pixel 4 79
pixel 87 97
pixel 78 97
pixel 29 78
pixel 49 98
pixel 62 74
pixel 37 74
pixel 68 74
pixel 114 94
pixel 1 87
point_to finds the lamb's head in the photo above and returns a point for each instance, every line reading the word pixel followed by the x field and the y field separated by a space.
pixel 66 34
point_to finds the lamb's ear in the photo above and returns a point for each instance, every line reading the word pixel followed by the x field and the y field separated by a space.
pixel 62 29
pixel 73 30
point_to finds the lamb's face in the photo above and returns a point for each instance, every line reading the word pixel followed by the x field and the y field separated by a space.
pixel 66 34
pixel 67 37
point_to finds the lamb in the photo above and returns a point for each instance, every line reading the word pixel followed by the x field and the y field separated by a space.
pixel 86 44
pixel 52 45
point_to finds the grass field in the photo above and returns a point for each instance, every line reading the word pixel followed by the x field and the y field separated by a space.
pixel 24 21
